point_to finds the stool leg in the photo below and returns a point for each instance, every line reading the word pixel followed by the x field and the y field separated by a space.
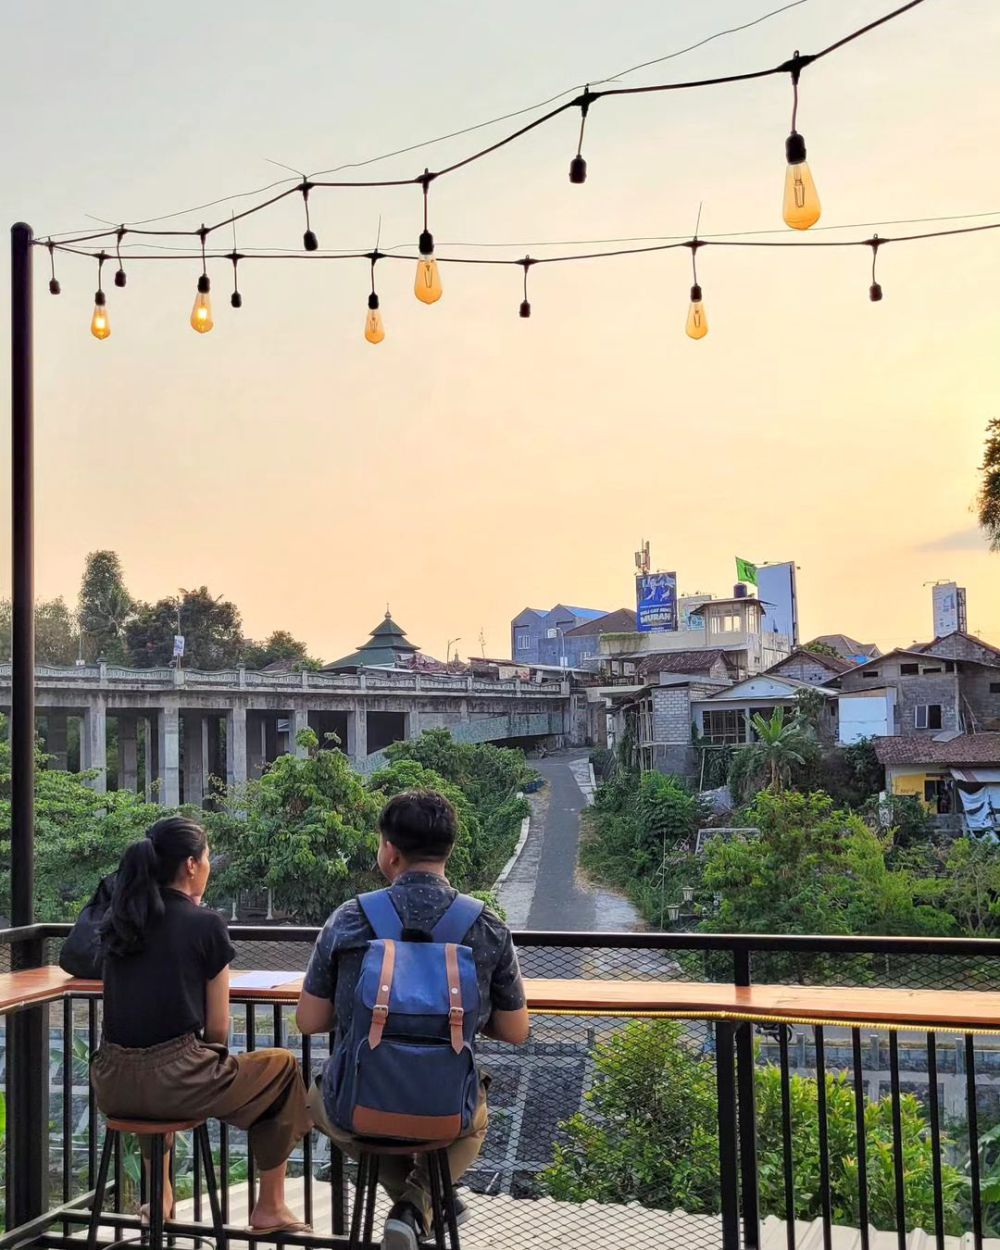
pixel 434 1176
pixel 338 1191
pixel 373 1168
pixel 359 1200
pixel 102 1179
pixel 448 1198
pixel 156 1192
pixel 221 1241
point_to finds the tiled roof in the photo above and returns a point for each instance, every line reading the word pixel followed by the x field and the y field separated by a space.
pixel 620 622
pixel 835 663
pixel 584 614
pixel 700 661
pixel 965 749
pixel 845 645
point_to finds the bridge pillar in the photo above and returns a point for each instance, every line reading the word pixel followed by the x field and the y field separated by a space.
pixel 94 743
pixel 298 719
pixel 357 732
pixel 128 753
pixel 412 725
pixel 170 755
pixel 152 744
pixel 56 724
pixel 195 767
pixel 256 751
pixel 236 746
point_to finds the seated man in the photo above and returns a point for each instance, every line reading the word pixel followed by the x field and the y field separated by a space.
pixel 418 832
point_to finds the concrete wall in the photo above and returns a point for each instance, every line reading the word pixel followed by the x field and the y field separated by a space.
pixel 804 668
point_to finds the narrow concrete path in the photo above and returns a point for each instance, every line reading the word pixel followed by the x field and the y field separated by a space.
pixel 545 889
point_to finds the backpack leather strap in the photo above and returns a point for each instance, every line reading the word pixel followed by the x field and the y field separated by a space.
pixel 380 1012
pixel 456 1012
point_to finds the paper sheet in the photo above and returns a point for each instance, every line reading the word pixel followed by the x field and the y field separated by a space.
pixel 263 980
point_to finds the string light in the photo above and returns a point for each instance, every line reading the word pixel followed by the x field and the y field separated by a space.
pixel 100 324
pixel 374 329
pixel 875 290
pixel 801 208
pixel 309 240
pixel 525 309
pixel 236 299
pixel 427 282
pixel 578 166
pixel 201 313
pixel 697 319
pixel 54 287
pixel 120 277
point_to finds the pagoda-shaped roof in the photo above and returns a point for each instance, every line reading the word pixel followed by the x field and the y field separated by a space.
pixel 387 647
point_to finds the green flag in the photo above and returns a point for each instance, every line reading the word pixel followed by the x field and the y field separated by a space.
pixel 745 571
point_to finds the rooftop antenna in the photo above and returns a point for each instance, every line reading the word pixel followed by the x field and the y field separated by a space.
pixel 642 557
pixel 482 641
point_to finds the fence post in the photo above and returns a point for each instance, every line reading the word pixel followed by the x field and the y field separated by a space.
pixel 747 1114
pixel 725 1079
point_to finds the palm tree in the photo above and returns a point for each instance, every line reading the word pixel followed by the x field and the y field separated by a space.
pixel 989 489
pixel 779 746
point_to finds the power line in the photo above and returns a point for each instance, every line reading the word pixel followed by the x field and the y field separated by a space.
pixel 584 102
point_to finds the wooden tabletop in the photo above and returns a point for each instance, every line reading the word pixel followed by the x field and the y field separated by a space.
pixel 842 1005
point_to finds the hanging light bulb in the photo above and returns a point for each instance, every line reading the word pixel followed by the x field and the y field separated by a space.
pixel 201 313
pixel 427 281
pixel 100 325
pixel 697 321
pixel 54 287
pixel 120 276
pixel 525 309
pixel 309 240
pixel 801 207
pixel 875 290
pixel 236 299
pixel 374 329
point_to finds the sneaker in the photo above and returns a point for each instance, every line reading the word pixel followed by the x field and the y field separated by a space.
pixel 462 1213
pixel 404 1228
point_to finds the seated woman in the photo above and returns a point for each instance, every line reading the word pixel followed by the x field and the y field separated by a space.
pixel 163 1053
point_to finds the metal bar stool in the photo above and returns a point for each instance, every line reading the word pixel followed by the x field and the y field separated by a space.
pixel 158 1130
pixel 366 1188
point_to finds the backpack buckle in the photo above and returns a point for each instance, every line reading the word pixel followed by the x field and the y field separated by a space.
pixel 380 1012
pixel 456 1015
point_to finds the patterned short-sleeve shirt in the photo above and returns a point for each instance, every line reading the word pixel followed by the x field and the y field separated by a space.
pixel 421 898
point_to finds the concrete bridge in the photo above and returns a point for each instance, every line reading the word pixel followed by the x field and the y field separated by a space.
pixel 167 732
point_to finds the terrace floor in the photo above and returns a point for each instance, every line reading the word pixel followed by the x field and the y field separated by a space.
pixel 502 1222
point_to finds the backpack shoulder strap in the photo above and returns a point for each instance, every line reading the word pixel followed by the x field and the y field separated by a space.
pixel 457 920
pixel 381 914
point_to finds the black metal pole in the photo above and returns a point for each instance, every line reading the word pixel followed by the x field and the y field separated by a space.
pixel 22 529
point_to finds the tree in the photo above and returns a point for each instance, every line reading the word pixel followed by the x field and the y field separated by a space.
pixel 105 606
pixel 779 746
pixel 649 1134
pixel 56 637
pixel 812 869
pixel 211 627
pixel 79 835
pixel 989 487
pixel 821 648
pixel 305 831
pixel 279 645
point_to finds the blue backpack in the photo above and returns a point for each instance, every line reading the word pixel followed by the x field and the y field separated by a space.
pixel 406 1068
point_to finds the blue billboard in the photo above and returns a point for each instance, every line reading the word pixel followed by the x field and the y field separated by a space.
pixel 656 601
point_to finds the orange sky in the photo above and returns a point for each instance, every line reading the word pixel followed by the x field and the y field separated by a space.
pixel 474 463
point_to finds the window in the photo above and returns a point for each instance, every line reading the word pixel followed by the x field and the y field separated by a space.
pixel 523 641
pixel 723 728
pixel 932 670
pixel 995 687
pixel 949 667
pixel 909 670
pixel 870 674
pixel 927 716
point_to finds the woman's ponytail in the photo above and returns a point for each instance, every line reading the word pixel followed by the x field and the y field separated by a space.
pixel 145 867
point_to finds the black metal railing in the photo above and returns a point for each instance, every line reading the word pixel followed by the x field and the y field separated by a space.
pixel 702 1131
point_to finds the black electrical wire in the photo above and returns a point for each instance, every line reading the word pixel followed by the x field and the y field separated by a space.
pixel 581 101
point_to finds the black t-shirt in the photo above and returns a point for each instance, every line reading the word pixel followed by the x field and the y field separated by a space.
pixel 159 992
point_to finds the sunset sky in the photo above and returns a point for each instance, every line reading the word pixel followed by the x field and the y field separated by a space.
pixel 474 463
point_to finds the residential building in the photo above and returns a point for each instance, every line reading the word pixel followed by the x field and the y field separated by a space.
pixel 816 669
pixel 571 648
pixel 534 626
pixel 725 717
pixel 920 692
pixel 957 778
pixel 735 626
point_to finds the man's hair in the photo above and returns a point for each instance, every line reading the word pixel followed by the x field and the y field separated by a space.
pixel 421 824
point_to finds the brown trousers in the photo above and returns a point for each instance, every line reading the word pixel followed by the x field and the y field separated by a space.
pixel 188 1079
pixel 405 1177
